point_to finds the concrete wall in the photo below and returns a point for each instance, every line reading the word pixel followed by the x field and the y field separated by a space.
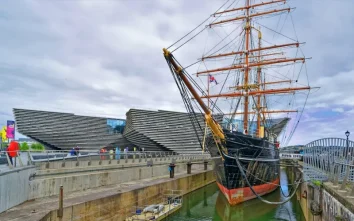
pixel 80 182
pixel 334 202
pixel 119 205
pixel 85 162
pixel 303 187
pixel 14 187
pixel 333 209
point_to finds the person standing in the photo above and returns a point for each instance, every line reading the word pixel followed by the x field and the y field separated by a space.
pixel 12 150
pixel 117 153
pixel 77 150
pixel 72 152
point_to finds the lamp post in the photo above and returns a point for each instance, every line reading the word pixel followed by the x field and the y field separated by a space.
pixel 347 150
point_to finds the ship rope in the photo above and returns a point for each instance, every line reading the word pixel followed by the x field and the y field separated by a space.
pixel 217 17
pixel 227 76
pixel 187 103
pixel 254 192
pixel 196 27
pixel 266 182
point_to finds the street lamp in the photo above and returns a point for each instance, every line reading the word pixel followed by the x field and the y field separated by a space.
pixel 347 134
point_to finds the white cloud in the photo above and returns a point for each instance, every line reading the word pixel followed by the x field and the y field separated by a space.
pixel 104 57
pixel 339 109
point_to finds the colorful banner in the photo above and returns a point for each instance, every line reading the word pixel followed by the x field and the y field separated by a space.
pixel 10 130
pixel 3 134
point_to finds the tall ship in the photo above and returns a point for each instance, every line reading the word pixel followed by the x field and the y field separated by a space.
pixel 249 79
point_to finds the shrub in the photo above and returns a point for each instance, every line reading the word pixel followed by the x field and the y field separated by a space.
pixel 37 147
pixel 24 146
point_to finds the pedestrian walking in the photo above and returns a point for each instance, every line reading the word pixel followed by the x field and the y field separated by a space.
pixel 12 150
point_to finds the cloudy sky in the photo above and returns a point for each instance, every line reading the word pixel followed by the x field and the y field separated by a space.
pixel 102 57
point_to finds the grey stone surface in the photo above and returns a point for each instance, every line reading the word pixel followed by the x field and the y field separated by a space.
pixel 14 187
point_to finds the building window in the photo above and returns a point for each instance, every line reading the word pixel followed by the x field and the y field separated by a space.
pixel 115 126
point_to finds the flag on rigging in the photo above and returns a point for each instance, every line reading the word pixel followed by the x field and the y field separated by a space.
pixel 212 79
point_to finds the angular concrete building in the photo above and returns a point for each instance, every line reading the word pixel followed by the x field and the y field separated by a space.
pixel 65 130
pixel 163 130
pixel 147 130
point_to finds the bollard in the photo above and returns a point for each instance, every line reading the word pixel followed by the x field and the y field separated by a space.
pixel 205 165
pixel 189 168
pixel 89 163
pixel 61 196
pixel 77 160
pixel 171 168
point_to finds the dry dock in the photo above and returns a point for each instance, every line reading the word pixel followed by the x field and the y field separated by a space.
pixel 111 202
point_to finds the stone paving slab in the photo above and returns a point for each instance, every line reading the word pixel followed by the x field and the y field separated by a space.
pixel 37 209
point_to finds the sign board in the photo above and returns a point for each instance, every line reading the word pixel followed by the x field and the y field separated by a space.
pixel 10 130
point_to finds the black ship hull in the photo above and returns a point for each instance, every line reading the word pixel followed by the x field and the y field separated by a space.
pixel 259 159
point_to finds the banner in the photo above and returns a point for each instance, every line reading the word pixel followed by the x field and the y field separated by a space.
pixel 3 134
pixel 10 130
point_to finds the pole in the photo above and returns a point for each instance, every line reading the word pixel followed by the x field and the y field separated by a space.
pixel 61 196
pixel 245 112
pixel 208 88
pixel 259 72
pixel 347 146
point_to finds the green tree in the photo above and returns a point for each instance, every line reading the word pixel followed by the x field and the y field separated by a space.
pixel 24 146
pixel 34 146
pixel 40 147
pixel 37 147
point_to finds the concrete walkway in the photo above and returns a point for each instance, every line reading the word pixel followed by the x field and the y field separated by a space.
pixel 37 209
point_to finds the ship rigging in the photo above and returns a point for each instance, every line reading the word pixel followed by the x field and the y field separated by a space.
pixel 253 72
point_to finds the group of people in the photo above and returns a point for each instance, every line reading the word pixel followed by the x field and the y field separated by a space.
pixel 75 151
pixel 116 151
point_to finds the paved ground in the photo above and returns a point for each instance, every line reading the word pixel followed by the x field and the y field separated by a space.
pixel 37 209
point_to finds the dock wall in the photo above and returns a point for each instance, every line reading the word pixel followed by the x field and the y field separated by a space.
pixel 334 203
pixel 118 206
pixel 49 186
pixel 14 188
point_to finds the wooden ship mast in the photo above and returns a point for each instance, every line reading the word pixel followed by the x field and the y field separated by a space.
pixel 258 90
pixel 252 58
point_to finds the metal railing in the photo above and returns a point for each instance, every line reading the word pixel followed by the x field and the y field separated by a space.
pixel 11 162
pixel 323 159
pixel 48 156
